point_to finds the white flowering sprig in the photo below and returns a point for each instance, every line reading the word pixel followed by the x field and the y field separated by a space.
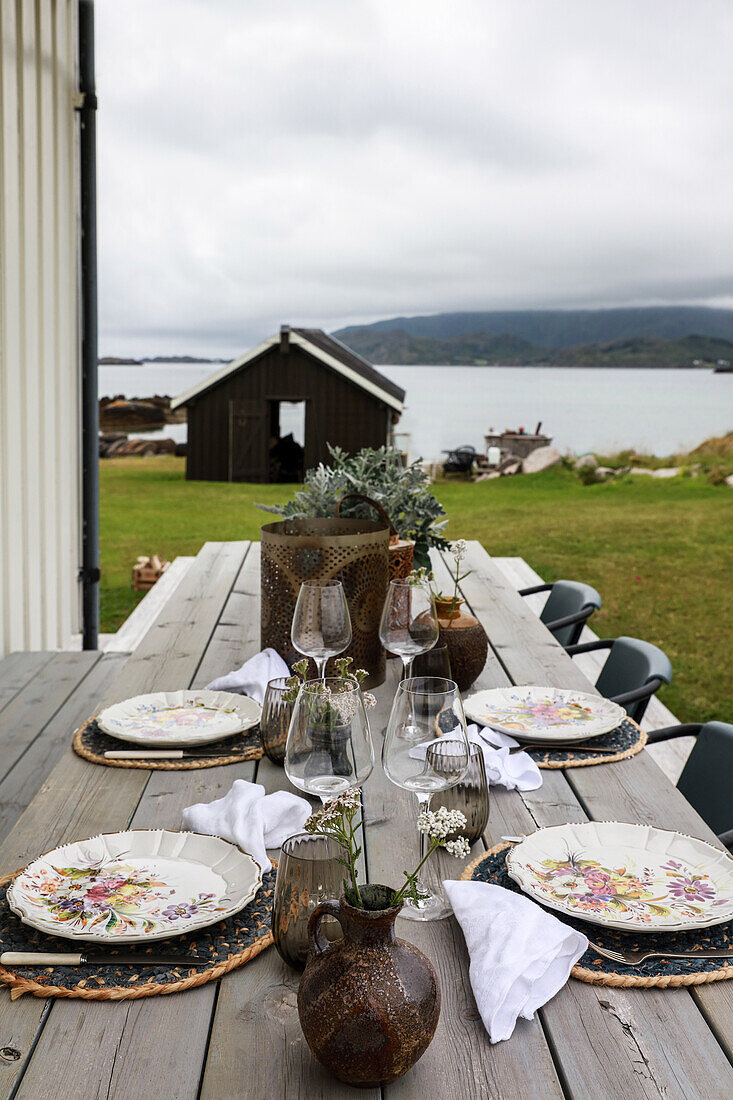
pixel 437 826
pixel 337 820
pixel 458 550
pixel 343 672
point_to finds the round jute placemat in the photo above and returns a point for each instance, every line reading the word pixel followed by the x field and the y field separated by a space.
pixel 627 739
pixel 227 945
pixel 595 969
pixel 92 743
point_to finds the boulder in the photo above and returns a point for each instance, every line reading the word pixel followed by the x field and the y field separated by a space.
pixel 511 468
pixel 586 462
pixel 729 481
pixel 605 471
pixel 541 459
pixel 666 471
pixel 641 470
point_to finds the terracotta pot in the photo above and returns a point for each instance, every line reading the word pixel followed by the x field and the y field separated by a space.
pixel 369 1003
pixel 466 640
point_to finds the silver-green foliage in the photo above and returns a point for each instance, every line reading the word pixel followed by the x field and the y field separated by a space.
pixel 403 492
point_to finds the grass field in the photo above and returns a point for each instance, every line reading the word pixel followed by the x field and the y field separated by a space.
pixel 659 552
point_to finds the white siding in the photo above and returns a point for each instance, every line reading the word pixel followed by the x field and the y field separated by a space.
pixel 40 427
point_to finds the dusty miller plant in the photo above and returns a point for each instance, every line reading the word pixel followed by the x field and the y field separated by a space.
pixel 403 492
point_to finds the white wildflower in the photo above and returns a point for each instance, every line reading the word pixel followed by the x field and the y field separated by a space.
pixel 440 823
pixel 459 549
pixel 369 699
pixel 458 847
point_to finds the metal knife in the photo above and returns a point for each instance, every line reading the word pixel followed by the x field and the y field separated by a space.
pixel 559 746
pixel 164 754
pixel 55 958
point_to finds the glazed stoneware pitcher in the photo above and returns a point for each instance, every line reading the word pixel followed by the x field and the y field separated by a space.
pixel 368 1004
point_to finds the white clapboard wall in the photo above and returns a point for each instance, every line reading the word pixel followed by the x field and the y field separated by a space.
pixel 39 332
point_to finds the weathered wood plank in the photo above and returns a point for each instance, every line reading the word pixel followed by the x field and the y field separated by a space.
pixel 79 799
pixel 460 1061
pixel 167 1037
pixel 631 1023
pixel 22 782
pixel 18 669
pixel 28 712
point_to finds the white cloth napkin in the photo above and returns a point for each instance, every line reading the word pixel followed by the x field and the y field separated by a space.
pixel 254 675
pixel 250 818
pixel 520 955
pixel 518 772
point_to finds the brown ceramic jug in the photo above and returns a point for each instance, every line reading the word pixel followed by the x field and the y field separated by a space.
pixel 369 1003
pixel 465 638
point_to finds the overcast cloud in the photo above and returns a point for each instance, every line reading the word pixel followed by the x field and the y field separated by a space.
pixel 330 161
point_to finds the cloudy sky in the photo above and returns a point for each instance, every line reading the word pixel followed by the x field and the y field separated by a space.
pixel 325 162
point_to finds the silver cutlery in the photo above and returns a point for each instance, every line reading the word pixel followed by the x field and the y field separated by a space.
pixel 164 754
pixel 633 958
pixel 56 958
pixel 562 746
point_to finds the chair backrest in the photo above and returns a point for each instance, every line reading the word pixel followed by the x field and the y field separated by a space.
pixel 630 664
pixel 707 777
pixel 567 597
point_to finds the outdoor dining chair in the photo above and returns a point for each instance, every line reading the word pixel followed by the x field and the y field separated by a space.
pixel 567 609
pixel 707 777
pixel 460 460
pixel 633 671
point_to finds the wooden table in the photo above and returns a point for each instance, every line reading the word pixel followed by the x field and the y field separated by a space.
pixel 241 1038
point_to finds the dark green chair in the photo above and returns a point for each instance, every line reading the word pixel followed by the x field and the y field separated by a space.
pixel 568 608
pixel 633 671
pixel 707 777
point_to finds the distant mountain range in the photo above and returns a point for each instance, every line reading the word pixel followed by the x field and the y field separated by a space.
pixel 653 337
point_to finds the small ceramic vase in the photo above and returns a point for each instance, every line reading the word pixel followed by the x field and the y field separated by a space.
pixel 465 638
pixel 369 1003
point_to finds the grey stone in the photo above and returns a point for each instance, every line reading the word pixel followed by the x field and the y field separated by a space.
pixel 585 462
pixel 541 459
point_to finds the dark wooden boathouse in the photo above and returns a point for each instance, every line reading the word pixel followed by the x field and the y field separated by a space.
pixel 269 415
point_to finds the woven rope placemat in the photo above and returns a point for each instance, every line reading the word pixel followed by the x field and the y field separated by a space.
pixel 92 743
pixel 628 739
pixel 228 944
pixel 593 968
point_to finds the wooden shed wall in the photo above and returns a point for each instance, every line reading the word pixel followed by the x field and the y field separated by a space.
pixel 338 412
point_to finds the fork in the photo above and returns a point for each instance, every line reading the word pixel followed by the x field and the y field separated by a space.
pixel 559 746
pixel 633 958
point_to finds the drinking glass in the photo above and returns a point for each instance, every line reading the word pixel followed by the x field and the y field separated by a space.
pixel 308 872
pixel 275 719
pixel 329 746
pixel 321 626
pixel 409 624
pixel 436 662
pixel 470 794
pixel 425 709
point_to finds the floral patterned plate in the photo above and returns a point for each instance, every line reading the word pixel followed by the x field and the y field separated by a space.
pixel 180 718
pixel 632 877
pixel 135 886
pixel 544 713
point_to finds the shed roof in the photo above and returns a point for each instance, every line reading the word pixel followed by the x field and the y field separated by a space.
pixel 321 346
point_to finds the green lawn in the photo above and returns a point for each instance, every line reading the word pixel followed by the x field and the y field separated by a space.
pixel 659 552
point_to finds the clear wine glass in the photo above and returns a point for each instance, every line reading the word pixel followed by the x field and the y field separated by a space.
pixel 425 709
pixel 409 624
pixel 321 625
pixel 329 746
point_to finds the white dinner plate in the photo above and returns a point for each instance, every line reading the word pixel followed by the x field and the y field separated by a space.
pixel 180 718
pixel 544 713
pixel 632 877
pixel 134 886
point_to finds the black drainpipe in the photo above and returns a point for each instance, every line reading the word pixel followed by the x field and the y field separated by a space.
pixel 89 572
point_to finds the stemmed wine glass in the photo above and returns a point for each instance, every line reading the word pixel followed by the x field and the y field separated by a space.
pixel 321 626
pixel 409 624
pixel 329 746
pixel 425 709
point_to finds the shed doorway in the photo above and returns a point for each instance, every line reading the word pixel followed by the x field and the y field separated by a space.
pixel 286 443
